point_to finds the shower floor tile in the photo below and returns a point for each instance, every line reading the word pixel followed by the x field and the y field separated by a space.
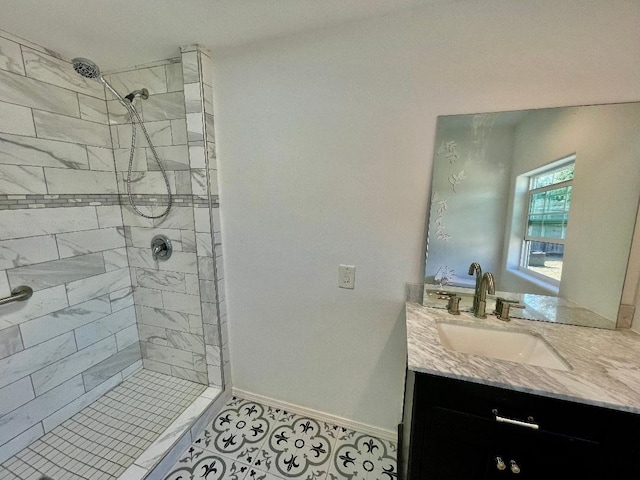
pixel 250 441
pixel 105 438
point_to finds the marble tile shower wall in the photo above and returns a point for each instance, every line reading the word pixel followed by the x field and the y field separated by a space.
pixel 61 233
pixel 198 75
pixel 176 300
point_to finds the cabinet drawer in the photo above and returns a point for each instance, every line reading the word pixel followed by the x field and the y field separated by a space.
pixel 462 446
pixel 551 415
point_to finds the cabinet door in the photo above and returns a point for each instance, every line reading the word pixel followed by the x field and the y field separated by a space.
pixel 467 447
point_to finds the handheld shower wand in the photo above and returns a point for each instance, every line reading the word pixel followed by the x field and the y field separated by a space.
pixel 89 69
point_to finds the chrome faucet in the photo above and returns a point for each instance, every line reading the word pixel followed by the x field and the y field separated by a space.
pixel 475 268
pixel 487 285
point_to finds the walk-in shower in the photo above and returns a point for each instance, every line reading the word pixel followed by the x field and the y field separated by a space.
pixel 89 69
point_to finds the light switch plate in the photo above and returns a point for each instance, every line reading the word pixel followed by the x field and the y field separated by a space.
pixel 347 276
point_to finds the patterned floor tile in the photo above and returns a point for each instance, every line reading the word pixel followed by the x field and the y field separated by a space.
pixel 299 447
pixel 249 441
pixel 361 456
pixel 239 430
pixel 202 464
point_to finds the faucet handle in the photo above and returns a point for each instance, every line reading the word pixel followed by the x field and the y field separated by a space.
pixel 453 306
pixel 503 306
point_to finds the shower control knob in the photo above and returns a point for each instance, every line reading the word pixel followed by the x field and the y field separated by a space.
pixel 161 248
pixel 500 464
pixel 514 467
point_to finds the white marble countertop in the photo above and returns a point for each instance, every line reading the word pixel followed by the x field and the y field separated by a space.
pixel 605 364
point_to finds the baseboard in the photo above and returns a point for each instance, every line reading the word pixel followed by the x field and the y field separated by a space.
pixel 310 412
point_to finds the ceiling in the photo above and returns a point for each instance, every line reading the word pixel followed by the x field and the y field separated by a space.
pixel 123 33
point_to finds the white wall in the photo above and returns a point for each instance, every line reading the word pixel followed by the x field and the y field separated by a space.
pixel 325 143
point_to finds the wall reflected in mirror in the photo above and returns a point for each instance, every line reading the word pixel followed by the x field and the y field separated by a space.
pixel 544 199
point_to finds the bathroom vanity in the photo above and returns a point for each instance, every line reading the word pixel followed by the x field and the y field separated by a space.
pixel 475 417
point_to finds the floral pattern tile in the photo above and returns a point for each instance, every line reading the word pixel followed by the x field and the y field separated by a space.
pixel 250 441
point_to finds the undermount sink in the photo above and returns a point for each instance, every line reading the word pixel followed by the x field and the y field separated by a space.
pixel 515 346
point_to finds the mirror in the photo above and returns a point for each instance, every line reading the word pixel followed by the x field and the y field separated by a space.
pixel 544 199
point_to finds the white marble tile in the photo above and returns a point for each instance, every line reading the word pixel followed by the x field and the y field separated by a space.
pixel 179 302
pixel 132 219
pixel 170 356
pixel 207 291
pixel 147 297
pixel 134 472
pixel 122 156
pixel 57 373
pixel 183 182
pixel 213 183
pixel 115 259
pixel 104 327
pixel 93 109
pixel 127 337
pixel 208 99
pixel 161 280
pixel 175 82
pixel 141 237
pixel 151 334
pixel 181 425
pixel 117 113
pixel 92 287
pixel 190 71
pixel 205 268
pixel 146 183
pixel 132 369
pixel 49 326
pixel 15 179
pixel 15 119
pixel 204 244
pixel 141 258
pixel 109 216
pixel 202 220
pixel 15 395
pixel 66 412
pixel 195 127
pixel 192 98
pixel 185 341
pixel 56 272
pixel 24 363
pixel 121 299
pixel 41 303
pixel 180 262
pixel 89 241
pixel 166 106
pixel 68 129
pixel 11 57
pixel 159 317
pixel 174 157
pixel 192 284
pixel 26 438
pixel 49 69
pixel 100 158
pixel 31 93
pixel 196 157
pixel 64 181
pixel 28 223
pixel 36 152
pixel 188 240
pixel 156 366
pixel 178 217
pixel 27 251
pixel 39 408
pixel 159 132
pixel 97 374
pixel 10 342
pixel 179 132
pixel 153 79
pixel 199 181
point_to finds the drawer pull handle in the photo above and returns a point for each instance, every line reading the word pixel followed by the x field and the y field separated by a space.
pixel 514 467
pixel 530 424
pixel 500 464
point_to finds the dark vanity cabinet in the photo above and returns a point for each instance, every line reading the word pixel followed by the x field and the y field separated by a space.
pixel 462 430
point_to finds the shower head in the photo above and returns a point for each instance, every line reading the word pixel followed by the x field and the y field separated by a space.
pixel 86 68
